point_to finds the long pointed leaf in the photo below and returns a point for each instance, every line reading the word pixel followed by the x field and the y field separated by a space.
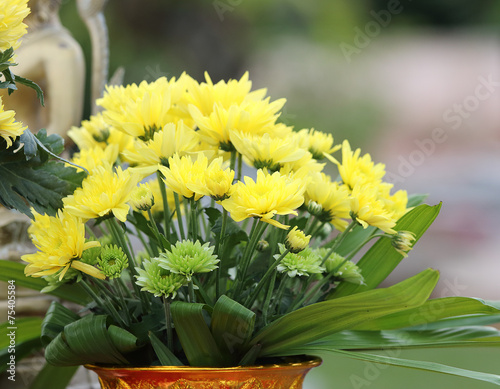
pixel 381 340
pixel 421 365
pixel 165 356
pixel 55 319
pixel 195 336
pixel 319 320
pixel 431 311
pixel 381 259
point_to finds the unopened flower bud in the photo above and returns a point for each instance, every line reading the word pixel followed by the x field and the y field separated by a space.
pixel 262 245
pixel 296 240
pixel 402 241
pixel 314 208
pixel 142 198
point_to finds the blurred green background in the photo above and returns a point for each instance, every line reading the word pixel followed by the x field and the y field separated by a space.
pixel 295 49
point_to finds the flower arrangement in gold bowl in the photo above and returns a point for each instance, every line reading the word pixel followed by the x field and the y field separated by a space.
pixel 196 229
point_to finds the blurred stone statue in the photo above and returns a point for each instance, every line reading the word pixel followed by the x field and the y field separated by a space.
pixel 52 58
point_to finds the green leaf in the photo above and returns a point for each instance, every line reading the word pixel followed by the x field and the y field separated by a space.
pixel 84 341
pixel 232 326
pixel 431 311
pixel 381 340
pixel 55 319
pixel 381 259
pixel 10 270
pixel 30 146
pixel 421 365
pixel 54 377
pixel 197 341
pixel 32 85
pixel 123 340
pixel 165 356
pixel 321 319
pixel 27 339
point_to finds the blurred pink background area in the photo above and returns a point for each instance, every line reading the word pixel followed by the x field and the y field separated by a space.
pixel 439 99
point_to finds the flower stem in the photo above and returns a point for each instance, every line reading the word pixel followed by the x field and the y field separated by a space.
pixel 251 299
pixel 338 240
pixel 166 210
pixel 179 216
pixel 219 245
pixel 168 324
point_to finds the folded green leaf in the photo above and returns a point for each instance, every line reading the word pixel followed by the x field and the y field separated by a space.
pixel 56 318
pixel 10 270
pixel 381 259
pixel 431 311
pixel 194 334
pixel 232 326
pixel 84 341
pixel 319 320
pixel 421 365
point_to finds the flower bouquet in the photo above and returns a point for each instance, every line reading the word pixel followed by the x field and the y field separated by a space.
pixel 195 229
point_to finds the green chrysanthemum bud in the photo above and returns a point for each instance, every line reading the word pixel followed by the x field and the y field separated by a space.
pixel 112 261
pixel 53 281
pixel 142 197
pixel 402 241
pixel 262 245
pixel 158 281
pixel 314 208
pixel 188 258
pixel 341 269
pixel 296 240
pixel 303 263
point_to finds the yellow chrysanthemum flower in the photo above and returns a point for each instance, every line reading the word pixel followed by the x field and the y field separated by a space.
pixel 317 143
pixel 330 200
pixel 184 172
pixel 270 195
pixel 367 209
pixel 303 167
pixel 358 170
pixel 60 242
pixel 263 151
pixel 252 117
pixel 9 127
pixel 95 132
pixel 396 204
pixel 296 240
pixel 96 156
pixel 103 192
pixel 12 28
pixel 170 140
pixel 142 197
pixel 216 181
pixel 142 110
pixel 203 96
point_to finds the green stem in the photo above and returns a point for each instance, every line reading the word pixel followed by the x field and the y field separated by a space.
pixel 355 251
pixel 191 291
pixel 258 229
pixel 310 293
pixel 279 294
pixel 203 293
pixel 240 159
pixel 338 240
pixel 179 216
pixel 166 211
pixel 251 299
pixel 232 163
pixel 149 248
pixel 154 228
pixel 219 244
pixel 267 300
pixel 168 323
